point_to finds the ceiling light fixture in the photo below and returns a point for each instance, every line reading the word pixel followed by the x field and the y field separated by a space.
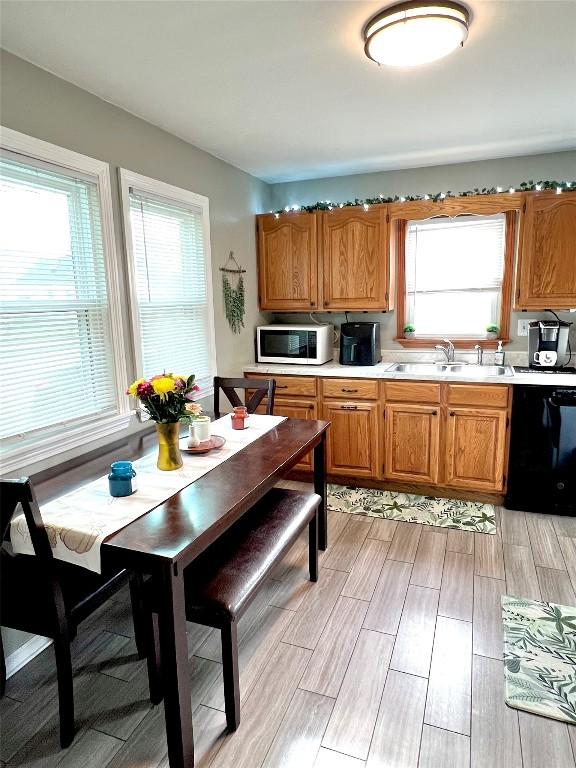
pixel 415 32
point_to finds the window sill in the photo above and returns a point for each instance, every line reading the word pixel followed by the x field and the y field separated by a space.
pixel 58 443
pixel 426 342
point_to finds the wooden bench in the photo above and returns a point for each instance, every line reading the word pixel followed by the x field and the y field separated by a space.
pixel 224 580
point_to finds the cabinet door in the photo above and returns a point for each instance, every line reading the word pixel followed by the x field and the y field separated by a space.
pixel 352 447
pixel 287 262
pixel 547 263
pixel 295 409
pixel 411 442
pixel 355 264
pixel 476 448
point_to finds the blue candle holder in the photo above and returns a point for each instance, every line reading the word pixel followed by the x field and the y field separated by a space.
pixel 121 479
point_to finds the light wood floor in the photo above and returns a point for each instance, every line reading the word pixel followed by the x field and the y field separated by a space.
pixel 393 660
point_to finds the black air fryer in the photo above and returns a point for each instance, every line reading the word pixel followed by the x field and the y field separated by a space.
pixel 359 343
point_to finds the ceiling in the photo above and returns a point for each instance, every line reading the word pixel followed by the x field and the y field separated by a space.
pixel 283 90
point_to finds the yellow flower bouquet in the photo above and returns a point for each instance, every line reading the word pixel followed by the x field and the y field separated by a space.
pixel 166 397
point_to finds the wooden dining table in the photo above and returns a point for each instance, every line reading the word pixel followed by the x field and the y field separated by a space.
pixel 164 541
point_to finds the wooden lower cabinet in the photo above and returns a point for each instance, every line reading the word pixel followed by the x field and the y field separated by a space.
pixel 412 435
pixel 475 453
pixel 352 447
pixel 295 409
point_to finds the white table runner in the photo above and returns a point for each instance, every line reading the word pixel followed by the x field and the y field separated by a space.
pixel 78 522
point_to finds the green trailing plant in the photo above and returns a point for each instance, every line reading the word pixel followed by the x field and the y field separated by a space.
pixel 234 304
pixel 492 328
pixel 435 197
pixel 409 328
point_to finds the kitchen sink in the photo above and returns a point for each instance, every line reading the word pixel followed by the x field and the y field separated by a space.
pixel 454 369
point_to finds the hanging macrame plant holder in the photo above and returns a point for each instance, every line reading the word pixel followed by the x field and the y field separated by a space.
pixel 233 293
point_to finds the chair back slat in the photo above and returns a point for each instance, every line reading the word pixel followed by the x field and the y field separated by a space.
pixel 262 388
pixel 20 493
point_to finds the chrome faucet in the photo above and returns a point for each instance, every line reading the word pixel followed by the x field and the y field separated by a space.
pixel 479 354
pixel 448 351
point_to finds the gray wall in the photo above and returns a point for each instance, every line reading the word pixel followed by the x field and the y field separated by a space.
pixel 46 107
pixel 457 178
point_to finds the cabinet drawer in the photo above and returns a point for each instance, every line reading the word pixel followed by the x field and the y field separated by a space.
pixel 288 386
pixel 355 389
pixel 412 391
pixel 485 395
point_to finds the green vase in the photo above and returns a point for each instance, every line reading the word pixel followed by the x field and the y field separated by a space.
pixel 169 456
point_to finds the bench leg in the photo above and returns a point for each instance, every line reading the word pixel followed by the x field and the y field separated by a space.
pixel 313 547
pixel 153 659
pixel 229 635
pixel 65 686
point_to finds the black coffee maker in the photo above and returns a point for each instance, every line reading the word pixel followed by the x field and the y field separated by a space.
pixel 360 343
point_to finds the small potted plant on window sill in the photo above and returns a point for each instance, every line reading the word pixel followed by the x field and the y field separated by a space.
pixel 409 331
pixel 492 331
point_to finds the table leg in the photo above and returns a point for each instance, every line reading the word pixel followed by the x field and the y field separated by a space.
pixel 174 665
pixel 320 489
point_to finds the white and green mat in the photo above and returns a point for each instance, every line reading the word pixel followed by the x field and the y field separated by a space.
pixel 540 657
pixel 413 508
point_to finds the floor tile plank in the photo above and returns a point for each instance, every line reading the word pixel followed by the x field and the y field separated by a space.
pixel 544 541
pixel 329 661
pixel 401 712
pixel 487 617
pixel 415 638
pixel 342 555
pixel 449 690
pixel 565 525
pixel 460 541
pixel 309 622
pixel 329 759
pixel 545 742
pixel 264 709
pixel 382 529
pixel 521 578
pixel 457 590
pixel 356 709
pixel 386 605
pixel 514 528
pixel 405 542
pixel 495 734
pixel 298 739
pixel 443 749
pixel 555 586
pixel 366 570
pixel 488 559
pixel 429 561
pixel 568 548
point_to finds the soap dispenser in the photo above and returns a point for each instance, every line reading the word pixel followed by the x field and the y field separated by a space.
pixel 499 355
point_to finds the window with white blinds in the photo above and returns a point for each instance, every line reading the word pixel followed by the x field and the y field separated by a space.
pixel 55 348
pixel 170 270
pixel 454 272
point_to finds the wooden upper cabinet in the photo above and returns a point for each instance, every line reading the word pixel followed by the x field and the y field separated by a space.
pixel 355 259
pixel 476 448
pixel 411 445
pixel 546 276
pixel 287 262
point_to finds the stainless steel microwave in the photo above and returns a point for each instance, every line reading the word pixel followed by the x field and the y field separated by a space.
pixel 300 344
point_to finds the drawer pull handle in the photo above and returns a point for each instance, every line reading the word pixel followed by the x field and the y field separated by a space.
pixel 281 386
pixel 434 413
pixel 349 390
pixel 349 407
pixel 452 413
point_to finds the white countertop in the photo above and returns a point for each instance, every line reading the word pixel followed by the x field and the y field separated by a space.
pixel 381 371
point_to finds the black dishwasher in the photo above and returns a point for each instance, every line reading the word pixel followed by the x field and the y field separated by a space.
pixel 542 468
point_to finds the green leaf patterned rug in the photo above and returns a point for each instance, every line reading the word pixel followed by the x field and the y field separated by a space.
pixel 412 508
pixel 540 657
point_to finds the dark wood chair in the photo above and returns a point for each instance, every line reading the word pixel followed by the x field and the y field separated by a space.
pixel 224 580
pixel 48 597
pixel 263 388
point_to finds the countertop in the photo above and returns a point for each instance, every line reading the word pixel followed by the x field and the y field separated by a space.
pixel 381 371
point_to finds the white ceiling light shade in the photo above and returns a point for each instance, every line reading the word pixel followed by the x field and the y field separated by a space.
pixel 417 32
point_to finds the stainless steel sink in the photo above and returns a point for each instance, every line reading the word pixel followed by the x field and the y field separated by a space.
pixel 455 369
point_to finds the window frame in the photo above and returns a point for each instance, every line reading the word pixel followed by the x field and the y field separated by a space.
pixel 56 441
pixel 155 187
pixel 509 204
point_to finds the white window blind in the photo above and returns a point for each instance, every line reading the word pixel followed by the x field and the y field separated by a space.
pixel 170 285
pixel 54 329
pixel 454 270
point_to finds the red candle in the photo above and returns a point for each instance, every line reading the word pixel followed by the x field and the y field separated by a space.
pixel 239 417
